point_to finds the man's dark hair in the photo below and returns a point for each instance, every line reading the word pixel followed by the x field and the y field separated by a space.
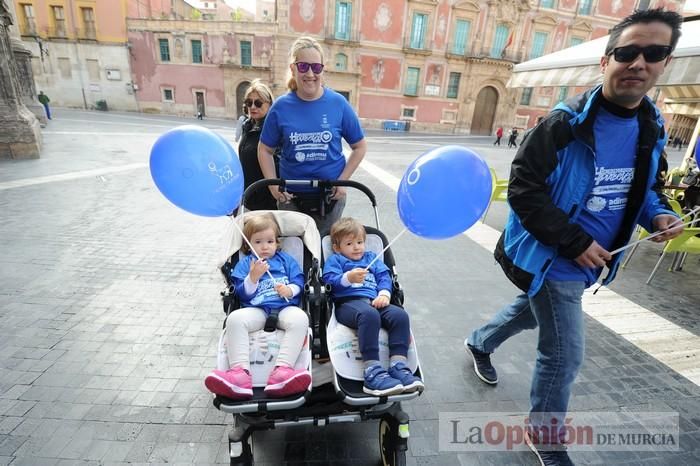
pixel 673 19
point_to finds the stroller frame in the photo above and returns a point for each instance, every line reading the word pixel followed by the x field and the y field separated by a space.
pixel 328 403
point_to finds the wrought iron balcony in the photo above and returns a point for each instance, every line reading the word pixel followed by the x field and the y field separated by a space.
pixel 86 34
pixel 28 28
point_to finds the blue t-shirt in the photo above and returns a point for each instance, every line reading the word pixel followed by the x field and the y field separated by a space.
pixel 377 277
pixel 283 268
pixel 310 134
pixel 616 150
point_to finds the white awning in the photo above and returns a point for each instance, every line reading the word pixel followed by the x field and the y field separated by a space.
pixel 580 65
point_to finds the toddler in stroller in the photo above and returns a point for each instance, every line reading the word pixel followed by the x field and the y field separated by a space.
pixel 361 290
pixel 268 282
pixel 335 394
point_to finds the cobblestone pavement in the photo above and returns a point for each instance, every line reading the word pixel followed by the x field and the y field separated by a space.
pixel 110 312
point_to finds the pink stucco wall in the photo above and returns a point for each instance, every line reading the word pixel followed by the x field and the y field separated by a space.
pixel 306 20
pixel 150 75
pixel 111 19
pixel 386 27
pixel 389 107
pixel 390 76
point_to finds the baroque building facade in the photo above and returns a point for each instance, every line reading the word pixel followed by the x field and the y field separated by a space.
pixel 79 51
pixel 442 65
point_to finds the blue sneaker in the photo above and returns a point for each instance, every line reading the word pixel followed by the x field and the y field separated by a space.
pixel 378 382
pixel 410 382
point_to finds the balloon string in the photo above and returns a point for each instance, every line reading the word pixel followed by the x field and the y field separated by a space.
pixel 387 247
pixel 256 254
pixel 654 235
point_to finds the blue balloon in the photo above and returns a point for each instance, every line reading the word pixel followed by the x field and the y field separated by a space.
pixel 444 192
pixel 197 170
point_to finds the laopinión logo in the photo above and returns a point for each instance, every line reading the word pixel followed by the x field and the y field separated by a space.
pixel 580 431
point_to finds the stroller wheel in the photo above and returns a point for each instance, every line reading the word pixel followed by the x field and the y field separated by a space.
pixel 391 445
pixel 241 452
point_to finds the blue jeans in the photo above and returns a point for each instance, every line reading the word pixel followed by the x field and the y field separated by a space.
pixel 359 314
pixel 557 310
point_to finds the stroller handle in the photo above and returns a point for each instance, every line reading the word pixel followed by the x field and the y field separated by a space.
pixel 319 184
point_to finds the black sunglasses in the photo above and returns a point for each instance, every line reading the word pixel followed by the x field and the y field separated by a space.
pixel 652 53
pixel 303 67
pixel 257 102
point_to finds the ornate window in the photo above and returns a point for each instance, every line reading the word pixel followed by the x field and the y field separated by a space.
pixel 412 77
pixel 462 27
pixel 453 85
pixel 196 51
pixel 164 49
pixel 341 62
pixel 343 20
pixel 418 29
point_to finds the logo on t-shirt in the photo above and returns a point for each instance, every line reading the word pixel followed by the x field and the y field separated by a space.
pixel 610 189
pixel 299 156
pixel 595 204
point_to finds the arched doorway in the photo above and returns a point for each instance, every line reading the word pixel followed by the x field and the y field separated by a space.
pixel 484 111
pixel 240 97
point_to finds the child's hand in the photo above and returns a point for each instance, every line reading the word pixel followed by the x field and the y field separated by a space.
pixel 283 290
pixel 357 275
pixel 257 269
pixel 380 302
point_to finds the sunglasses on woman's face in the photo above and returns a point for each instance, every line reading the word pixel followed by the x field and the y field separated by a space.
pixel 257 102
pixel 303 67
pixel 652 53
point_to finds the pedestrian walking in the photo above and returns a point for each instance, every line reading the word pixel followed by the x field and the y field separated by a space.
pixel 558 236
pixel 309 124
pixel 44 100
pixel 512 139
pixel 499 135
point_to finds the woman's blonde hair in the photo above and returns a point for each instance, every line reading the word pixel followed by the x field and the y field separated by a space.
pixel 301 43
pixel 346 226
pixel 259 223
pixel 261 89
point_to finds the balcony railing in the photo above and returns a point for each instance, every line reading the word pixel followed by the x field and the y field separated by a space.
pixel 87 33
pixel 27 28
pixel 352 39
pixel 57 31
pixel 471 52
pixel 421 49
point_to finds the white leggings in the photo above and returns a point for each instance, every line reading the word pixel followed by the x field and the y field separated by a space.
pixel 241 322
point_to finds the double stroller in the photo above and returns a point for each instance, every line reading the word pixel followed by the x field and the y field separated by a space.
pixel 330 352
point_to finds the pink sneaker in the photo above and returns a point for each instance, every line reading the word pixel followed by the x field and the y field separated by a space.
pixel 285 381
pixel 235 383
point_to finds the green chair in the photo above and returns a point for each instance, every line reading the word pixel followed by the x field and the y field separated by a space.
pixel 499 191
pixel 687 242
pixel 675 205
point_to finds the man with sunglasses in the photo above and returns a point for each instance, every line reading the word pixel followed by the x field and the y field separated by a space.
pixel 580 182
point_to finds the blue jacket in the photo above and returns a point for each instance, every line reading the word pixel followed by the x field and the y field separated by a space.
pixel 378 277
pixel 551 177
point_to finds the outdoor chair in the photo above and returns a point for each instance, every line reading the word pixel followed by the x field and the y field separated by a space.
pixel 499 191
pixel 675 205
pixel 687 242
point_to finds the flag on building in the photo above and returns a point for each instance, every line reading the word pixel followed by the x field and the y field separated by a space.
pixel 508 44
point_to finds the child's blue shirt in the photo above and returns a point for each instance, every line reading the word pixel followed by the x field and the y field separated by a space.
pixel 283 268
pixel 378 277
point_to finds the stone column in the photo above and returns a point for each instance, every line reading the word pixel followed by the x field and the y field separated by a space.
pixel 20 135
pixel 23 56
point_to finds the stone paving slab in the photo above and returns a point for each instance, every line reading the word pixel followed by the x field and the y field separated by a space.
pixel 109 317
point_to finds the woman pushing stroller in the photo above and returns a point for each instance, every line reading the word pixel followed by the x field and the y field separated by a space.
pixel 265 281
